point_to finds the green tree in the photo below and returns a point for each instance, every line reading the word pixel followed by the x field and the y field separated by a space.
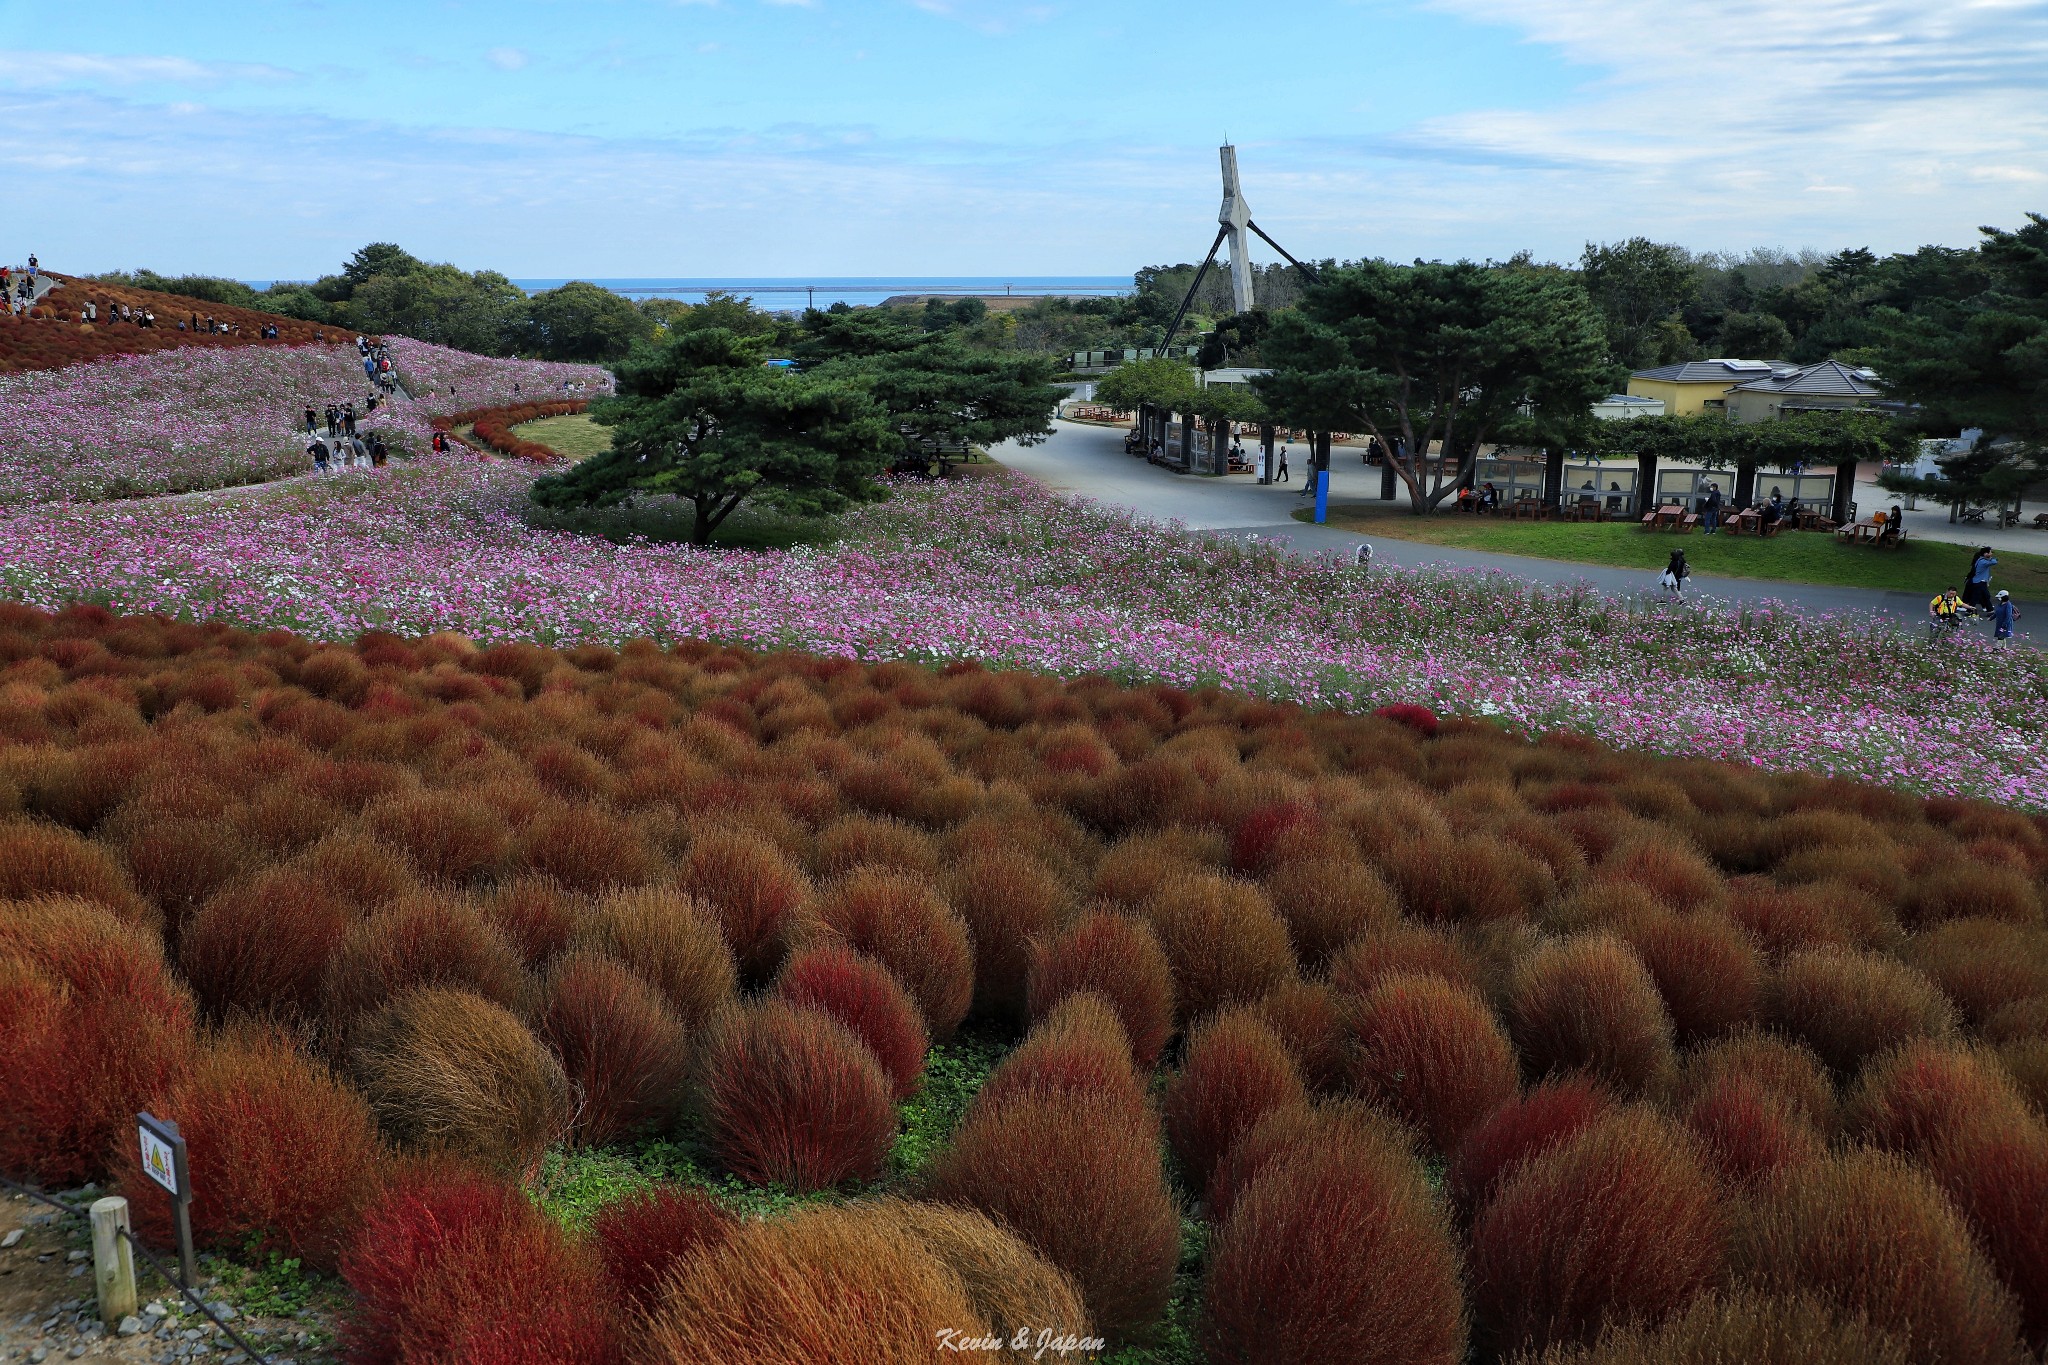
pixel 379 258
pixel 945 392
pixel 1161 382
pixel 699 417
pixel 581 321
pixel 1753 336
pixel 1436 355
pixel 482 312
pixel 1636 285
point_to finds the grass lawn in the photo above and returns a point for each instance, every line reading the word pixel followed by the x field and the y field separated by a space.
pixel 575 436
pixel 1790 557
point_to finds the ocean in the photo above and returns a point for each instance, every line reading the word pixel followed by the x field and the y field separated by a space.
pixel 793 293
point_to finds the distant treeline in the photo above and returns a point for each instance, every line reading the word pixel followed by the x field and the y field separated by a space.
pixel 1660 303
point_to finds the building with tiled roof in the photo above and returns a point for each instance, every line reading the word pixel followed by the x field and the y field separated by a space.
pixel 1695 386
pixel 1829 386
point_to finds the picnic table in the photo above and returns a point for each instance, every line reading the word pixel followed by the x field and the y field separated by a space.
pixel 1586 509
pixel 1749 522
pixel 1670 514
pixel 1856 532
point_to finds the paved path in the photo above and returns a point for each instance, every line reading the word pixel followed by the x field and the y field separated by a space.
pixel 1089 461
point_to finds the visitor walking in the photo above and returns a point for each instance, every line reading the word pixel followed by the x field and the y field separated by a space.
pixel 318 450
pixel 1675 574
pixel 2003 615
pixel 312 420
pixel 1710 508
pixel 1283 475
pixel 1977 586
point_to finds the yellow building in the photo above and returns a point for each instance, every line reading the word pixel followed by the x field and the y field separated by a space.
pixel 1697 385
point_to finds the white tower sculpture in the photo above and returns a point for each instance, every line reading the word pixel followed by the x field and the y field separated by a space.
pixel 1236 218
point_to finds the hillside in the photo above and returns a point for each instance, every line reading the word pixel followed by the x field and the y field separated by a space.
pixel 51 335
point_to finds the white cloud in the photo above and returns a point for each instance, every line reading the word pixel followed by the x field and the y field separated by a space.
pixel 45 70
pixel 506 58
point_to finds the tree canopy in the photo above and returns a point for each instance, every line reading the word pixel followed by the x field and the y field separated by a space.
pixel 1160 381
pixel 1444 355
pixel 582 321
pixel 700 417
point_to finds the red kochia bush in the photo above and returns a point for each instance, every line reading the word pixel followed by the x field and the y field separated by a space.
pixel 263 946
pixel 277 1146
pixel 1912 1099
pixel 451 1265
pixel 1078 1178
pixel 861 994
pixel 1332 1256
pixel 1118 958
pixel 1372 1138
pixel 1235 1072
pixel 794 1098
pixel 644 1238
pixel 1400 950
pixel 1617 1223
pixel 901 923
pixel 1502 1142
pixel 1997 1173
pixel 93 1026
pixel 626 1055
pixel 1748 1133
pixel 1433 1053
pixel 1419 718
pixel 1587 1004
pixel 1741 1328
pixel 1787 1069
pixel 1874 1235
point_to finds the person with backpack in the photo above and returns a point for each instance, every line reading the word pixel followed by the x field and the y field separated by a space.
pixel 2003 615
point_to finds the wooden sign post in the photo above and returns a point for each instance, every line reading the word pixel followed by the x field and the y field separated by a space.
pixel 163 1160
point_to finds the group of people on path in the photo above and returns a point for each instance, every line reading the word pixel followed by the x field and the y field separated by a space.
pixel 1949 607
pixel 18 285
pixel 343 447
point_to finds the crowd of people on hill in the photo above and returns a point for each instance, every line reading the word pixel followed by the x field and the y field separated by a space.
pixel 18 285
pixel 342 446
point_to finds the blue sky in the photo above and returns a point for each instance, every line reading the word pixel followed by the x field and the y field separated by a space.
pixel 268 138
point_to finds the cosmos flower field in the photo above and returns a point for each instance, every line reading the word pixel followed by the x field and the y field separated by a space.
pixel 195 418
pixel 1002 572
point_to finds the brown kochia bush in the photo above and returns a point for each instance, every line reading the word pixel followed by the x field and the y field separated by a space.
pixel 1222 939
pixel 1741 1328
pixel 1848 1005
pixel 670 943
pixel 1235 1071
pixel 448 1071
pixel 826 1286
pixel 421 940
pixel 626 1055
pixel 1587 1005
pixel 1328 902
pixel 1007 900
pixel 1027 1302
pixel 1705 968
pixel 1749 1133
pixel 1876 1237
pixel 37 859
pixel 1373 1140
pixel 754 891
pixel 900 922
pixel 1078 1049
pixel 1433 1054
pixel 1118 958
pixel 1982 965
pixel 1079 1179
pixel 1338 1254
pixel 1620 1222
pixel 1400 950
pixel 1505 1140
pixel 1305 1016
pixel 793 1098
pixel 1788 1069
